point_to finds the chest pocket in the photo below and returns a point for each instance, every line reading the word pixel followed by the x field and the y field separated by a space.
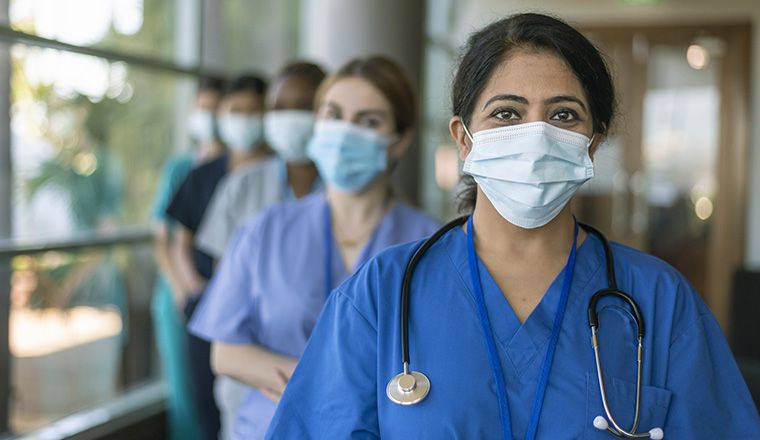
pixel 621 398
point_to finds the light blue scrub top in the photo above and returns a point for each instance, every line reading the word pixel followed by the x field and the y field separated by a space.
pixel 269 288
pixel 692 387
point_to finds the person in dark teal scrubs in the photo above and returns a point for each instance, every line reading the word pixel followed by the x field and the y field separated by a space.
pixel 169 325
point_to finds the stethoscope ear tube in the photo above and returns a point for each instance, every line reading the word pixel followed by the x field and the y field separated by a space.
pixel 593 317
pixel 407 281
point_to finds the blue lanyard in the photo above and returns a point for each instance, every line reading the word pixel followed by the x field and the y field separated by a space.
pixel 328 244
pixel 493 357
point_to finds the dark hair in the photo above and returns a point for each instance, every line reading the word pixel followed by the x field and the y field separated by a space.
pixel 248 83
pixel 311 72
pixel 210 83
pixel 492 45
pixel 389 78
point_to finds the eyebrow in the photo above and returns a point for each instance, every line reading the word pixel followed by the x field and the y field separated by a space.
pixel 522 100
pixel 507 97
pixel 370 112
pixel 331 105
pixel 367 112
pixel 566 98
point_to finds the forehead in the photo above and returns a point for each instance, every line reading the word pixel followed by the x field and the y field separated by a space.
pixel 241 97
pixel 207 97
pixel 291 90
pixel 535 75
pixel 355 93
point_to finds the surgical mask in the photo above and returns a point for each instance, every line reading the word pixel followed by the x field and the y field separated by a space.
pixel 529 171
pixel 288 132
pixel 347 156
pixel 241 131
pixel 200 126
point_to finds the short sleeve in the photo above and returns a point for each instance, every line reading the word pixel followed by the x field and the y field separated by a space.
pixel 226 311
pixel 172 175
pixel 215 229
pixel 332 393
pixel 181 206
pixel 710 398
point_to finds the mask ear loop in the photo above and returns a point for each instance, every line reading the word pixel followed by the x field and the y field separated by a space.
pixel 591 141
pixel 467 132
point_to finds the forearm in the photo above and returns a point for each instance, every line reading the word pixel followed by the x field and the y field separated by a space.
pixel 163 256
pixel 252 365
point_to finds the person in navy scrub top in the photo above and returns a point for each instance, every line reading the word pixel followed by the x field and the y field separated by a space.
pixel 498 307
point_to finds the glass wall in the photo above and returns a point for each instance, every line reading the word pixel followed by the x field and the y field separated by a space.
pixel 139 27
pixel 91 123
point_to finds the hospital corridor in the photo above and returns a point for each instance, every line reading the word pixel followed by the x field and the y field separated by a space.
pixel 366 219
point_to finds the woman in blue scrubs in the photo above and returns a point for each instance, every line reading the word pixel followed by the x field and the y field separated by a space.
pixel 280 267
pixel 498 308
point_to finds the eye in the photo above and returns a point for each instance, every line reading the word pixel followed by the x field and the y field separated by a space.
pixel 332 113
pixel 369 122
pixel 565 115
pixel 505 114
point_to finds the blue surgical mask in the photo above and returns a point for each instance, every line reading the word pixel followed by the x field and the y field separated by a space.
pixel 348 156
pixel 241 132
pixel 529 171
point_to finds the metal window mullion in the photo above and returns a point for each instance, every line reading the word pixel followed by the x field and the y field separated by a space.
pixel 6 219
pixel 11 35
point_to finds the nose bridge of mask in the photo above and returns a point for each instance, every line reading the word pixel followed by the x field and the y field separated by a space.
pixel 536 152
pixel 350 137
pixel 289 121
pixel 539 128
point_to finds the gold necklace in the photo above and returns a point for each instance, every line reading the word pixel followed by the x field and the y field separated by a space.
pixel 358 239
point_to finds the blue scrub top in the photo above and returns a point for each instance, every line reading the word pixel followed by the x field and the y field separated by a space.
pixel 269 288
pixel 691 385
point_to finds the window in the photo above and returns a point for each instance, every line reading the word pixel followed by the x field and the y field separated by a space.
pixel 99 94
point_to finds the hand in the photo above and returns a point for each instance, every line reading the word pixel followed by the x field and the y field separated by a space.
pixel 286 371
pixel 271 394
pixel 179 298
pixel 275 394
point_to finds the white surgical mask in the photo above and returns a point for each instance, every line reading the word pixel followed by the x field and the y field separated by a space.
pixel 241 131
pixel 200 126
pixel 288 132
pixel 529 171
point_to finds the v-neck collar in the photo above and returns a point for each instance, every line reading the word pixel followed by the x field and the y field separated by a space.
pixel 524 343
pixel 337 265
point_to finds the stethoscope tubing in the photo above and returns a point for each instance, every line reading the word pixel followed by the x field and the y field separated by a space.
pixel 407 281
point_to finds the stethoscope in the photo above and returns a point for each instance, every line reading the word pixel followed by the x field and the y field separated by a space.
pixel 411 387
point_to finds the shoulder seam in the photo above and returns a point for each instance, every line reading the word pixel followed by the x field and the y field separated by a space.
pixel 686 328
pixel 342 296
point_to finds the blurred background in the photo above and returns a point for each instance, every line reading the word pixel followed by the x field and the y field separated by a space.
pixel 94 96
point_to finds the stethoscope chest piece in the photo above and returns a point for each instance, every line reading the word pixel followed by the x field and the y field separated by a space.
pixel 408 388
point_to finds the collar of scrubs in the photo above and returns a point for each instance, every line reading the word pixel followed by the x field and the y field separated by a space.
pixel 328 241
pixel 488 338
